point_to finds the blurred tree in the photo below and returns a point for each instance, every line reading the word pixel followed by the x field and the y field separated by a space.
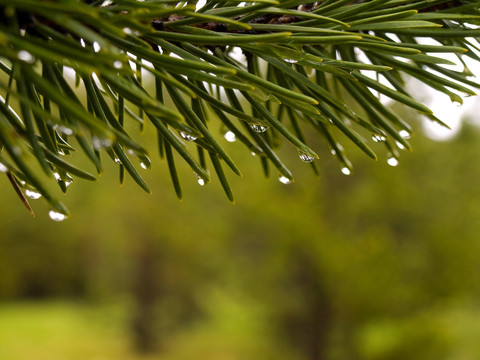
pixel 211 58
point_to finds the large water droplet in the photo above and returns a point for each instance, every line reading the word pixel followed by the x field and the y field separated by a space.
pixel 258 128
pixel 230 136
pixel 56 216
pixel 284 180
pixel 345 171
pixel 392 161
pixel 187 137
pixel 26 56
pixel 33 194
pixel 305 157
pixel 404 134
pixel 3 168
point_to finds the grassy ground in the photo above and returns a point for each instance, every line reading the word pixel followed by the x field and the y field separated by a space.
pixel 67 331
pixel 76 331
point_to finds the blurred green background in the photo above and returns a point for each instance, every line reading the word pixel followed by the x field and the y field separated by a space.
pixel 382 264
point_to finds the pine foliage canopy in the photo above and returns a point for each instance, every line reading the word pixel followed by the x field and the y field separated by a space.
pixel 261 70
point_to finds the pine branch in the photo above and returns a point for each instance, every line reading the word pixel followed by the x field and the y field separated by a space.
pixel 264 70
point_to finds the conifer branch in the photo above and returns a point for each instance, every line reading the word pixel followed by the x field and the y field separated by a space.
pixel 265 70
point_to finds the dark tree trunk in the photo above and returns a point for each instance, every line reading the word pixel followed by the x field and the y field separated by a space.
pixel 145 296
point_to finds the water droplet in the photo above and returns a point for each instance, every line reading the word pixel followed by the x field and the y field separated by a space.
pixel 56 216
pixel 82 42
pixel 99 143
pixel 3 168
pixel 131 152
pixel 378 138
pixel 187 137
pixel 253 153
pixel 346 171
pixel 117 64
pixel 258 128
pixel 230 136
pixel 290 61
pixel 143 166
pixel 284 180
pixel 305 157
pixel 404 134
pixel 33 194
pixel 127 31
pixel 333 152
pixel 61 152
pixel 96 47
pixel 400 145
pixel 57 176
pixel 392 161
pixel 200 180
pixel 26 56
pixel 68 181
pixel 117 160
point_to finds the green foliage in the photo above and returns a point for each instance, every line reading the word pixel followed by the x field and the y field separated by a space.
pixel 264 71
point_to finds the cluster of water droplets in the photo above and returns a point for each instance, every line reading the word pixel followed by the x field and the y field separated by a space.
pixel 33 194
pixel 378 138
pixel 259 128
pixel 187 137
pixel 68 179
pixel 305 157
pixel 100 143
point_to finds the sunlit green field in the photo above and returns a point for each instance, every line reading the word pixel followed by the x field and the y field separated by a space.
pixel 67 330
pixel 58 330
